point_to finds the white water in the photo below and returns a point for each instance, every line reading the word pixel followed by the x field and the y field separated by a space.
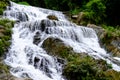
pixel 29 59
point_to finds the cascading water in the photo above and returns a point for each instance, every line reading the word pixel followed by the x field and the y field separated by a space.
pixel 26 56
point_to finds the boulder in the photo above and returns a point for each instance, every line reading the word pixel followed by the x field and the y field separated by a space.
pixel 52 17
pixel 56 47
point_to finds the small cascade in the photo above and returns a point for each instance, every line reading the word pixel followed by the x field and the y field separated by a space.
pixel 27 58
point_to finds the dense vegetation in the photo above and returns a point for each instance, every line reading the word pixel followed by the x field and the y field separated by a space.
pixel 5 34
pixel 5 29
pixel 3 4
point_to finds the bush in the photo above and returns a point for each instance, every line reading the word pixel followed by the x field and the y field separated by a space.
pixel 86 68
pixel 95 11
pixel 112 31
pixel 75 11
pixel 4 40
pixel 23 3
pixel 3 5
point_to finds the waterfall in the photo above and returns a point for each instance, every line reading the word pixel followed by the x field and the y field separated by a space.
pixel 27 58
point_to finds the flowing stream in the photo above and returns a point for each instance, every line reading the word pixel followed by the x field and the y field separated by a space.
pixel 27 58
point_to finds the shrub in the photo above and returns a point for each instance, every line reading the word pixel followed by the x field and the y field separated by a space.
pixel 112 31
pixel 86 68
pixel 4 40
pixel 3 5
pixel 23 3
pixel 95 11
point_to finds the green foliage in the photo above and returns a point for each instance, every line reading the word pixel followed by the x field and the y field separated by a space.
pixel 6 34
pixel 4 68
pixel 86 68
pixel 3 5
pixel 23 3
pixel 112 31
pixel 95 11
pixel 75 11
pixel 64 5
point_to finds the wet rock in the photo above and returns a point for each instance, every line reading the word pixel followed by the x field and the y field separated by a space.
pixel 22 16
pixel 99 30
pixel 60 60
pixel 47 23
pixel 56 47
pixel 43 25
pixel 37 39
pixel 42 64
pixel 52 17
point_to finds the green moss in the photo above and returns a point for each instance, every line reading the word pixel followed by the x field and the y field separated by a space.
pixel 24 3
pixel 75 11
pixel 3 4
pixel 4 68
pixel 83 67
pixel 112 31
pixel 6 34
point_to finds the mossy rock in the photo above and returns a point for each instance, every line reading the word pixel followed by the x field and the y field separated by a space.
pixel 56 47
pixel 52 17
